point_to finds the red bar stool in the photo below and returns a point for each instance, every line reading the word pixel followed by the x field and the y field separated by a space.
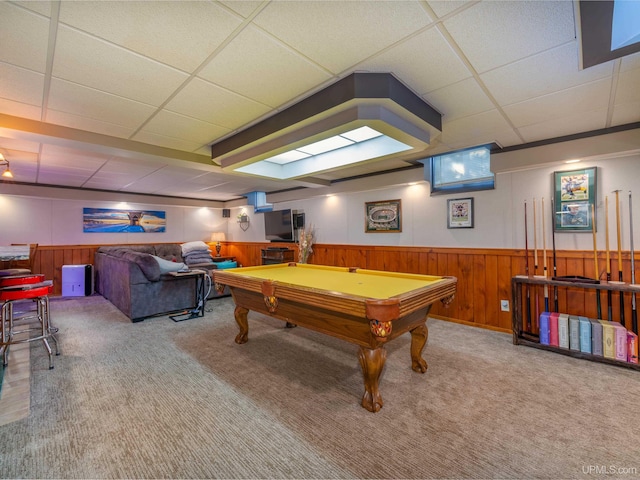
pixel 26 287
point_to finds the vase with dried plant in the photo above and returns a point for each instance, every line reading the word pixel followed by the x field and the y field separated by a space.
pixel 305 243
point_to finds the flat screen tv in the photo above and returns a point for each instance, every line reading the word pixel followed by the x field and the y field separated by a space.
pixel 278 225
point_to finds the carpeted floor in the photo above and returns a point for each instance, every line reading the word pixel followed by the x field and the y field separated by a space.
pixel 160 399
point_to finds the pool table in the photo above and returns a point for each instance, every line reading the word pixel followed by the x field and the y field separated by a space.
pixel 366 307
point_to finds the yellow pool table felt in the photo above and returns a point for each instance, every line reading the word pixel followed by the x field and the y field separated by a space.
pixel 362 283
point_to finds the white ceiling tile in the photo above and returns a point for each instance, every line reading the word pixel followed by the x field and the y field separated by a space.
pixel 567 125
pixel 459 99
pixel 481 125
pixel 338 35
pixel 493 34
pixel 59 156
pixel 170 124
pixel 282 73
pixel 548 72
pixel 210 103
pixel 18 109
pixel 24 37
pixel 179 33
pixel 505 138
pixel 163 178
pixel 630 62
pixel 583 98
pixel 88 124
pixel 95 63
pixel 21 85
pixel 244 7
pixel 52 173
pixel 43 7
pixel 628 88
pixel 444 7
pixel 15 146
pixel 626 113
pixel 165 141
pixel 98 105
pixel 434 64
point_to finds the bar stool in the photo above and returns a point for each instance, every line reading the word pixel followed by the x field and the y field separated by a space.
pixel 26 287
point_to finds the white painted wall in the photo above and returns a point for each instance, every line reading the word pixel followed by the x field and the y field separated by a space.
pixel 339 219
pixel 49 221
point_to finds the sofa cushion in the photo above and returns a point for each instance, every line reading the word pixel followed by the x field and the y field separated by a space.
pixel 167 266
pixel 145 261
pixel 169 251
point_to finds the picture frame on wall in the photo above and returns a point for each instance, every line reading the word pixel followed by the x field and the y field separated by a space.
pixel 575 200
pixel 383 217
pixel 460 213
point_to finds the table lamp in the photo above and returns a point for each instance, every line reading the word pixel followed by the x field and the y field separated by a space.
pixel 218 237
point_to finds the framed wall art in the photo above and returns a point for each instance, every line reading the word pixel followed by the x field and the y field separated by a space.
pixel 385 216
pixel 574 200
pixel 102 220
pixel 460 213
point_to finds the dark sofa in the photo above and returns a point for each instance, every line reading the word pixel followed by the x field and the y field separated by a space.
pixel 131 278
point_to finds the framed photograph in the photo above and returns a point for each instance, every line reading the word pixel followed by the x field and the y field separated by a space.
pixel 383 217
pixel 460 213
pixel 574 200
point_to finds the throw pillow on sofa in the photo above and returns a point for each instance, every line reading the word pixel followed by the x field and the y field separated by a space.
pixel 167 266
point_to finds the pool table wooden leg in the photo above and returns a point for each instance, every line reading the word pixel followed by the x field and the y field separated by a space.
pixel 240 314
pixel 419 337
pixel 372 362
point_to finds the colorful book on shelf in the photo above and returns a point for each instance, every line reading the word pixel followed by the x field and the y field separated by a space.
pixel 544 328
pixel 553 329
pixel 621 342
pixel 574 333
pixel 585 334
pixel 608 339
pixel 563 330
pixel 632 347
pixel 596 338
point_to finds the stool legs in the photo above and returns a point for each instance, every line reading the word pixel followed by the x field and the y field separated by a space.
pixel 46 330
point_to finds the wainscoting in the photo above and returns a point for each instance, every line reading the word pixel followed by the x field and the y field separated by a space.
pixel 484 275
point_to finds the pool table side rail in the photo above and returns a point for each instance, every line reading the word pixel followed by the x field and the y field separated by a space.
pixel 337 301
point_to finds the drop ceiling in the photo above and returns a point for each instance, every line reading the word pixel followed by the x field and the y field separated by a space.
pixel 128 96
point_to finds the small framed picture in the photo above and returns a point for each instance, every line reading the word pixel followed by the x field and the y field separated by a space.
pixel 383 216
pixel 460 213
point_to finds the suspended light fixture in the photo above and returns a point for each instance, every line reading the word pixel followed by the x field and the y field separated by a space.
pixel 7 171
pixel 363 117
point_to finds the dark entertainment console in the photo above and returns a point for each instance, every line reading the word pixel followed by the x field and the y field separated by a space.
pixel 274 255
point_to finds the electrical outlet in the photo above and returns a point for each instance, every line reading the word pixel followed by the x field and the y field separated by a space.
pixel 504 305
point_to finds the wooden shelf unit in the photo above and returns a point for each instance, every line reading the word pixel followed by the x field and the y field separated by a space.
pixel 531 338
pixel 271 256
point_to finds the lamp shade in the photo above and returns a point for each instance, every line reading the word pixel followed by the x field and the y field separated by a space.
pixel 218 237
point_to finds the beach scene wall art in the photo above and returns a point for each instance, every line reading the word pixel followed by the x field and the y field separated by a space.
pixel 101 220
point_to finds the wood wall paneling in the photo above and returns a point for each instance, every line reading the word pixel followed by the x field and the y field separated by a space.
pixel 484 275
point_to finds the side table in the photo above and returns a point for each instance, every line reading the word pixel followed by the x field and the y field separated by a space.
pixel 200 277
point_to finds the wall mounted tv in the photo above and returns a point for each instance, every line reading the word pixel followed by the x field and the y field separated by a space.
pixel 278 225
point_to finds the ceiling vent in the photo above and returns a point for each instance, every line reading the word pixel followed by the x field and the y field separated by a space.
pixel 259 202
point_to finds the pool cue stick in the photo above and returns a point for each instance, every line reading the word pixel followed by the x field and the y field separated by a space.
pixel 535 255
pixel 634 314
pixel 526 268
pixel 606 236
pixel 619 237
pixel 595 259
pixel 544 259
pixel 553 243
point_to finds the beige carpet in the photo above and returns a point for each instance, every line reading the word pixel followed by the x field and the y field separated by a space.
pixel 160 399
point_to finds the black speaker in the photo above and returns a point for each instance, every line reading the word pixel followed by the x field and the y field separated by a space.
pixel 298 220
pixel 226 213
